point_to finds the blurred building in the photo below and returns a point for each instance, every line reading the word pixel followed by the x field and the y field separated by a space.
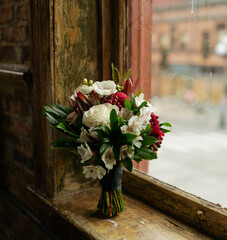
pixel 188 53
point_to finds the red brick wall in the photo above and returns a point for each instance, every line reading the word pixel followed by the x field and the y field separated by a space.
pixel 14 42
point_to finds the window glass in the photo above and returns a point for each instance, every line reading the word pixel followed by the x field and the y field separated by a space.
pixel 178 49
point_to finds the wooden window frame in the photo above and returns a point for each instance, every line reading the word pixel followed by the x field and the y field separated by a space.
pixel 184 206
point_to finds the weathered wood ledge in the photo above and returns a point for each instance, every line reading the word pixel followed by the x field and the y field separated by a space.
pixel 77 214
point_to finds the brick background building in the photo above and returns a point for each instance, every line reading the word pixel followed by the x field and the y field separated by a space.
pixel 184 37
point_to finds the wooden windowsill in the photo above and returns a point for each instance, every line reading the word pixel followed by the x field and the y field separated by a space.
pixel 76 215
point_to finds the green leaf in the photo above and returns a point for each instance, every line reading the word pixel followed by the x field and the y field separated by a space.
pixel 63 111
pixel 106 140
pixel 53 121
pixel 137 110
pixel 114 121
pixel 118 75
pixel 100 133
pixel 105 129
pixel 116 150
pixel 128 164
pixel 166 124
pixel 127 104
pixel 133 102
pixel 165 130
pixel 64 144
pixel 62 127
pixel 139 92
pixel 137 158
pixel 129 137
pixel 114 74
pixel 127 75
pixel 146 153
pixel 104 148
pixel 148 140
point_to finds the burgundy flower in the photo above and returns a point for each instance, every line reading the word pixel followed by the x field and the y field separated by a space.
pixel 117 98
pixel 156 131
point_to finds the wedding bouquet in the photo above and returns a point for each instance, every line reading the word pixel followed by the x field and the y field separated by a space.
pixel 109 127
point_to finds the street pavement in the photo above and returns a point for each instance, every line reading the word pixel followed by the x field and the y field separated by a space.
pixel 193 157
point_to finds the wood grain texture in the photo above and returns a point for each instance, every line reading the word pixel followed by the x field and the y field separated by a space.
pixel 200 213
pixel 138 221
pixel 76 57
pixel 64 36
pixel 41 39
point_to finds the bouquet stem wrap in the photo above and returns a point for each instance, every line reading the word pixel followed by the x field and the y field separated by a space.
pixel 111 200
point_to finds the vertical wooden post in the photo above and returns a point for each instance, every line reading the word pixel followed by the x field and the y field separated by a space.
pixel 114 27
pixel 139 48
pixel 41 42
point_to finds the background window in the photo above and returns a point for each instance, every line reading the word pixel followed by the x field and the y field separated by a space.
pixel 187 81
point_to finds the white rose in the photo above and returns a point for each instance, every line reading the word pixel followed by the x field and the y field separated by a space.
pixel 85 152
pixel 84 89
pixel 94 171
pixel 108 158
pixel 105 88
pixel 98 115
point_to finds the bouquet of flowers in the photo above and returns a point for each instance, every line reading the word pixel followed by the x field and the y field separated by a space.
pixel 109 127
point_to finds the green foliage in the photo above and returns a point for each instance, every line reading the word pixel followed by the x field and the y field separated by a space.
pixel 139 92
pixel 115 74
pixel 56 115
pixel 137 158
pixel 70 144
pixel 64 127
pixel 116 150
pixel 127 104
pixel 127 75
pixel 104 148
pixel 166 124
pixel 105 129
pixel 148 140
pixel 128 164
pixel 137 110
pixel 133 102
pixel 146 153
pixel 129 137
pixel 114 121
